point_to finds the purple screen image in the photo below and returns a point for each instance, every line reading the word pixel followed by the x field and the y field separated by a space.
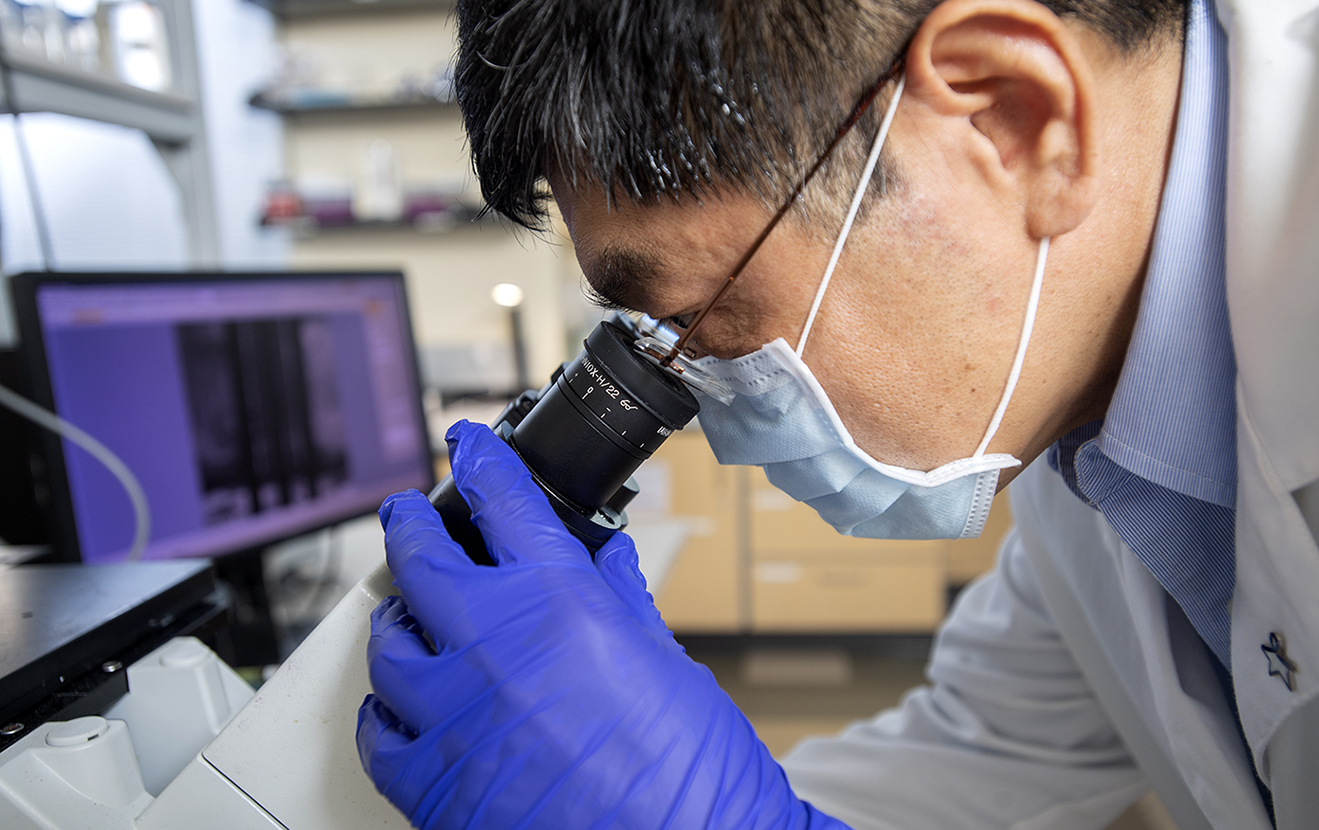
pixel 249 410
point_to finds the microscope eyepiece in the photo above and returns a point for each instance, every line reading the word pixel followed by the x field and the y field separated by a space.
pixel 584 434
pixel 610 352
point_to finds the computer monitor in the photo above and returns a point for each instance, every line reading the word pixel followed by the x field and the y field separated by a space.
pixel 251 407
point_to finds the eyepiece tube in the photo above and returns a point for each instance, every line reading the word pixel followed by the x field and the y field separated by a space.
pixel 587 432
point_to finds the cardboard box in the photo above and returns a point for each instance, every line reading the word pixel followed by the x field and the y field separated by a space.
pixel 704 591
pixel 755 560
pixel 780 526
pixel 848 593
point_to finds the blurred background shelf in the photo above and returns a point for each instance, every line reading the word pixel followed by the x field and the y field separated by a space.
pixel 305 227
pixel 298 9
pixel 42 86
pixel 349 107
pixel 371 139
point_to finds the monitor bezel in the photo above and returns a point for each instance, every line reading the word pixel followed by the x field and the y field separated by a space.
pixel 61 519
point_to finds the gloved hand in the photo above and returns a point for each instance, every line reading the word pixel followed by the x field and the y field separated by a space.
pixel 553 695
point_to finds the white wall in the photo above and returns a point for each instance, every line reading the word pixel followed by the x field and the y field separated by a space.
pixel 237 54
pixel 109 201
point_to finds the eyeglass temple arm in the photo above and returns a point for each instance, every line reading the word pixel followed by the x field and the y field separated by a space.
pixel 742 263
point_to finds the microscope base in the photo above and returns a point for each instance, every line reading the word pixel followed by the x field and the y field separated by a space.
pixel 293 750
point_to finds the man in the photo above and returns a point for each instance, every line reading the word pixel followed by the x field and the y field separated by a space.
pixel 1035 267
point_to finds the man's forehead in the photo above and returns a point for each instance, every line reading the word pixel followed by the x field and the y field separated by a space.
pixel 625 276
pixel 631 277
pixel 656 257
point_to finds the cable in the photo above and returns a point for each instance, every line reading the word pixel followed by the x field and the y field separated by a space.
pixel 17 403
pixel 44 417
pixel 30 179
pixel 1032 305
pixel 857 198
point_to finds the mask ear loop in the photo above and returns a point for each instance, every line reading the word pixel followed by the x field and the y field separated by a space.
pixel 852 212
pixel 1031 306
pixel 1026 329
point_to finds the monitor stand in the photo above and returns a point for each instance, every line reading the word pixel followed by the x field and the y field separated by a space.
pixel 22 519
pixel 250 638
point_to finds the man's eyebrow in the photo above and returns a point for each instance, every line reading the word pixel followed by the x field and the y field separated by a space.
pixel 619 278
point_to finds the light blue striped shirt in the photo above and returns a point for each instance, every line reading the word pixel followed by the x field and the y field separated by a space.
pixel 1162 465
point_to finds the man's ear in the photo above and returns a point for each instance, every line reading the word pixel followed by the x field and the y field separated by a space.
pixel 1020 77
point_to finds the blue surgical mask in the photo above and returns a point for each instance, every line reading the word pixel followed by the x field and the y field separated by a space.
pixel 780 418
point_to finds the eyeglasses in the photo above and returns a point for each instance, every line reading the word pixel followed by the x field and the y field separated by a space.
pixel 846 127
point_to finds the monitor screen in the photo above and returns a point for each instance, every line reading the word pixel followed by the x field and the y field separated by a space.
pixel 250 407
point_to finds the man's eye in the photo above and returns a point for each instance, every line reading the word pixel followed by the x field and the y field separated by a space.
pixel 599 300
pixel 679 321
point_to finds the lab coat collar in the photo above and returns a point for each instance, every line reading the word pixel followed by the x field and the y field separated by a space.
pixel 1172 420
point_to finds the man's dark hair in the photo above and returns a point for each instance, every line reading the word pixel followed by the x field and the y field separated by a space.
pixel 653 99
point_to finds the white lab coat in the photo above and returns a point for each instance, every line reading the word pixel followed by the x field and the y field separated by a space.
pixel 1066 683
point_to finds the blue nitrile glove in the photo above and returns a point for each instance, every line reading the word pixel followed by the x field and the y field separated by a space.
pixel 554 696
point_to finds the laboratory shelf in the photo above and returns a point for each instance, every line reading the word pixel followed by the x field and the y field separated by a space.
pixel 295 9
pixel 306 227
pixel 42 86
pixel 374 106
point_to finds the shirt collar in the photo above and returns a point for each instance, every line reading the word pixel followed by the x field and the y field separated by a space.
pixel 1172 420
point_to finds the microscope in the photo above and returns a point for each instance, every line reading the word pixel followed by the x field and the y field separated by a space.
pixel 287 757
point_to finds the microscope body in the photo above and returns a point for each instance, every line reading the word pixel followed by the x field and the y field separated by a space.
pixel 286 759
pixel 289 758
pixel 583 435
